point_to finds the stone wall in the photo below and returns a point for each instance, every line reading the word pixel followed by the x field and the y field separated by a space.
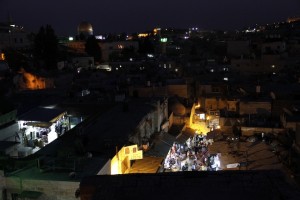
pixel 248 131
pixel 52 190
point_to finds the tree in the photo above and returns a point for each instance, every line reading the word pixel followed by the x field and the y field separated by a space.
pixel 46 46
pixel 92 48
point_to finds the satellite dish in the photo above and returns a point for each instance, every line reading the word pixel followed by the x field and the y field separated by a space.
pixel 272 94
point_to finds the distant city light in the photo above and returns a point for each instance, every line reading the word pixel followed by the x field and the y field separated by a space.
pixel 141 35
pixel 156 30
pixel 85 92
pixel 150 55
pixel 100 37
pixel 163 40
pixel 71 38
pixel 120 46
pixel 2 56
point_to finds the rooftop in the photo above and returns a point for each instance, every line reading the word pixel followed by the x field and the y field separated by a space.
pixel 270 184
pixel 61 169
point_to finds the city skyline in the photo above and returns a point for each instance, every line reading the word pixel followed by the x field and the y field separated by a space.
pixel 134 16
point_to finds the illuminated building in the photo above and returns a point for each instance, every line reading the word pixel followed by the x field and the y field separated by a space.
pixel 107 48
pixel 293 19
pixel 42 125
pixel 13 36
pixel 60 163
pixel 32 81
pixel 157 31
pixel 85 29
pixel 143 35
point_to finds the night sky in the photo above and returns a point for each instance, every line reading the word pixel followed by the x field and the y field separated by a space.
pixel 138 15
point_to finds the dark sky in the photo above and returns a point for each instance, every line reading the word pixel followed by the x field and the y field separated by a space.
pixel 138 15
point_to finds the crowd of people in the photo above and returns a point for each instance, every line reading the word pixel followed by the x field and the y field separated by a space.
pixel 193 155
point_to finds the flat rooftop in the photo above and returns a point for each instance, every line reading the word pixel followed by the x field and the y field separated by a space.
pixel 271 184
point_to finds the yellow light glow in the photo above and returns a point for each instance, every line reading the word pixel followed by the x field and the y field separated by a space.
pixel 33 82
pixel 155 31
pixel 114 166
pixel 120 46
pixel 2 56
pixel 200 128
pixel 143 35
pixel 197 106
pixel 120 164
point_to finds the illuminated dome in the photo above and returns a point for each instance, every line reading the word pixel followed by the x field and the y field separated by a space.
pixel 85 28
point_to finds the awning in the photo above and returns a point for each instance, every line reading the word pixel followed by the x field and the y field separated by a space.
pixel 30 194
pixel 40 114
pixel 39 124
